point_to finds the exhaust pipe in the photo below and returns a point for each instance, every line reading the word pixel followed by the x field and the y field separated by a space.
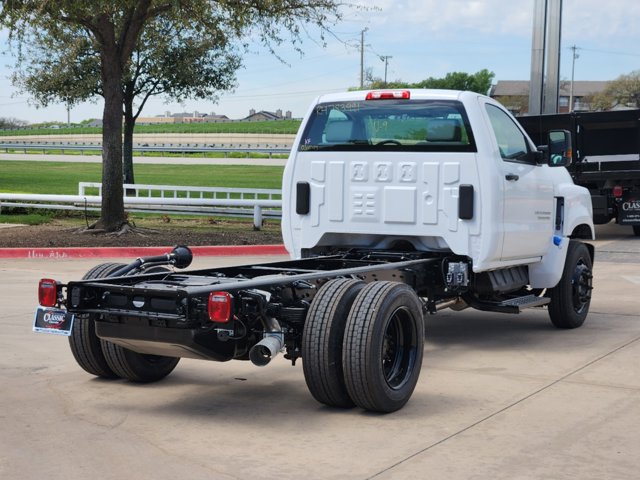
pixel 267 348
pixel 272 342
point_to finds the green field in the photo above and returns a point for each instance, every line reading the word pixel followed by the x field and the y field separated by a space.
pixel 267 127
pixel 62 178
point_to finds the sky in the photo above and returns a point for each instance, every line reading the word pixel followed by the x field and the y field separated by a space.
pixel 423 38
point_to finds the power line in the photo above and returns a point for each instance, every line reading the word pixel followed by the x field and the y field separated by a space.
pixel 609 52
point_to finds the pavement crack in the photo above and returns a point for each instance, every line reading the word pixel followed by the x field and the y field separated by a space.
pixel 507 407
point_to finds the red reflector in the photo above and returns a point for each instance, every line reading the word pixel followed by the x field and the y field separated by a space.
pixel 389 95
pixel 47 292
pixel 617 191
pixel 219 307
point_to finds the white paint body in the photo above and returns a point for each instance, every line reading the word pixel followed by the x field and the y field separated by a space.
pixel 372 199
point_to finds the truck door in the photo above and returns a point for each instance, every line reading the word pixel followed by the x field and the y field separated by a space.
pixel 527 190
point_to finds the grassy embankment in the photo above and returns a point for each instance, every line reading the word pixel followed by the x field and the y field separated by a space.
pixel 63 178
pixel 270 128
pixel 263 128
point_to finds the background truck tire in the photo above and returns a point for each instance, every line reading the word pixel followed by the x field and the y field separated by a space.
pixel 137 367
pixel 383 346
pixel 636 230
pixel 84 343
pixel 322 340
pixel 570 299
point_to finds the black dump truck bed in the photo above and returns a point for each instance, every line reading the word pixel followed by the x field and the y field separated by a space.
pixel 606 158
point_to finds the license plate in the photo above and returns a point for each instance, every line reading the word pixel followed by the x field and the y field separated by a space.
pixel 53 320
pixel 629 210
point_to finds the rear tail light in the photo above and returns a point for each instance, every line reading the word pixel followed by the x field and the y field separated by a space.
pixel 219 307
pixel 617 191
pixel 389 95
pixel 48 292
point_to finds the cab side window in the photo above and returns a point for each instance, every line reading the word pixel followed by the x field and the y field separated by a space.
pixel 511 142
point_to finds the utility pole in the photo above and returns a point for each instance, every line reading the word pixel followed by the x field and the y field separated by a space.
pixel 385 59
pixel 362 57
pixel 573 68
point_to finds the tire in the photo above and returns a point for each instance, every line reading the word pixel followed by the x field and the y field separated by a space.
pixel 383 346
pixel 570 299
pixel 83 341
pixel 322 340
pixel 137 367
pixel 636 230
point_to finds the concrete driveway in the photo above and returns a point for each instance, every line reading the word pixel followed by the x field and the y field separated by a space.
pixel 500 397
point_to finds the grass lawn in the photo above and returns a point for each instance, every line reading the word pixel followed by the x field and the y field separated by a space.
pixel 27 218
pixel 63 178
pixel 267 127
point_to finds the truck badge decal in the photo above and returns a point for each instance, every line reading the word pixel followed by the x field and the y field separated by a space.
pixel 359 172
pixel 407 172
pixel 383 172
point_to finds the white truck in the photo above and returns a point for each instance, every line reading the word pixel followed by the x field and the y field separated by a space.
pixel 396 204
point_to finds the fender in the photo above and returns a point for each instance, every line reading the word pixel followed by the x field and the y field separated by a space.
pixel 578 212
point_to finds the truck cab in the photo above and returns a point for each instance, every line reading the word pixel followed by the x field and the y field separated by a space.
pixel 430 170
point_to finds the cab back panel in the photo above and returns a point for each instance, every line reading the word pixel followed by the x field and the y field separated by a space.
pixel 372 199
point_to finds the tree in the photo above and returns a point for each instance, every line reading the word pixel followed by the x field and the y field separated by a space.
pixel 479 82
pixel 168 60
pixel 177 63
pixel 625 90
pixel 517 104
pixel 600 101
pixel 6 123
pixel 113 29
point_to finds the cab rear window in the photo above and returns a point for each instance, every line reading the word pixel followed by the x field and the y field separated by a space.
pixel 396 125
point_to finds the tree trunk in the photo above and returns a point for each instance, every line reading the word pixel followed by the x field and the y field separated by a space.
pixel 127 145
pixel 112 214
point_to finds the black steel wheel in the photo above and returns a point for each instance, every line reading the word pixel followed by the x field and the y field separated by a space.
pixel 570 299
pixel 137 367
pixel 84 343
pixel 322 339
pixel 383 346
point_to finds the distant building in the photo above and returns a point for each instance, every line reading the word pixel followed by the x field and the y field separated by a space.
pixel 514 94
pixel 263 115
pixel 197 117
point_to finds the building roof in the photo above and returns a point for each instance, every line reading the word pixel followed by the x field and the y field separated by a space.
pixel 264 114
pixel 521 87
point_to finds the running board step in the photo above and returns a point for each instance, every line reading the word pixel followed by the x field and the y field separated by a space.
pixel 511 305
pixel 528 301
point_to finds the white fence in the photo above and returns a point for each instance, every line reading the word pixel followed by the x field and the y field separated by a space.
pixel 258 203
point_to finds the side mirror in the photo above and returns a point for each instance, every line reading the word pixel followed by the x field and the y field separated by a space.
pixel 559 148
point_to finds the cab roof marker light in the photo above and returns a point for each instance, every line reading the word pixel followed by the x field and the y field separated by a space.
pixel 388 95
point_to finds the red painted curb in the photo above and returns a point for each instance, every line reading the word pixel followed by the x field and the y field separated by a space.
pixel 118 252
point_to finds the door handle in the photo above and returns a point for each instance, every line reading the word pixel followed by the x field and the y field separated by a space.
pixel 512 177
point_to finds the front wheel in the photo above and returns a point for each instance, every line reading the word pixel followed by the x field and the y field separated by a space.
pixel 570 299
pixel 383 346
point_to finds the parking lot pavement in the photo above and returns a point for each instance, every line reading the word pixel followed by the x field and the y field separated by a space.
pixel 501 397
